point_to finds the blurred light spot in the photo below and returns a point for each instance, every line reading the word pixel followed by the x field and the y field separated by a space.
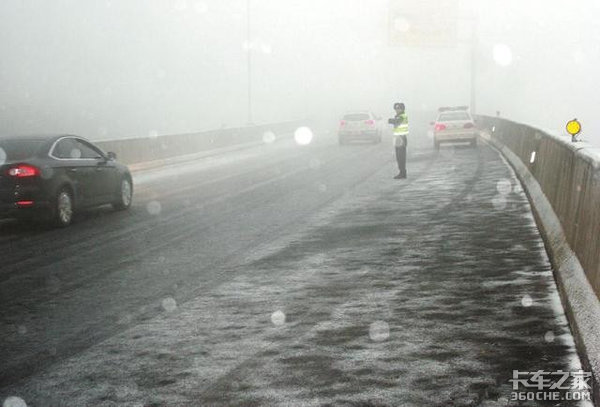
pixel 200 7
pixel 493 129
pixel 14 402
pixel 401 24
pixel 75 153
pixel 549 336
pixel 152 134
pixel 266 48
pixel 314 163
pixel 578 188
pixel 169 304
pixel 269 137
pixel 499 202
pixel 504 187
pixel 154 208
pixel 502 54
pixel 303 136
pixel 47 172
pixel 532 158
pixel 2 156
pixel 527 301
pixel 517 189
pixel 278 318
pixel 22 329
pixel 379 331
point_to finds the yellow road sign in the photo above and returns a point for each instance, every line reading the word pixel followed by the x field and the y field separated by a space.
pixel 573 127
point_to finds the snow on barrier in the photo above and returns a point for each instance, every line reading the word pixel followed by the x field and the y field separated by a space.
pixel 562 180
pixel 155 147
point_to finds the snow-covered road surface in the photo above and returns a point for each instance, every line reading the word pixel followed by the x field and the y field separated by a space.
pixel 288 277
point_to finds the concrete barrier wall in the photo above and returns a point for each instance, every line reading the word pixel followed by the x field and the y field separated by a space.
pixel 137 150
pixel 569 175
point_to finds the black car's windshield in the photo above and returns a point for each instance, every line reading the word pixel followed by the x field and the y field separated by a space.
pixel 14 150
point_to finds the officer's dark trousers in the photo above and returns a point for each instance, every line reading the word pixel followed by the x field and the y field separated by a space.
pixel 401 157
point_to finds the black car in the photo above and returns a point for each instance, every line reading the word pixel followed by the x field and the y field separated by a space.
pixel 54 176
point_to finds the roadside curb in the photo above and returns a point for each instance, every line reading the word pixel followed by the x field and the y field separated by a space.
pixel 578 297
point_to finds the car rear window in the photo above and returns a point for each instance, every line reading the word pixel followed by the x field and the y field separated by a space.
pixel 15 150
pixel 357 117
pixel 447 117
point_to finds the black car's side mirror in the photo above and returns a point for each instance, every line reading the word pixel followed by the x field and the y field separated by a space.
pixel 111 155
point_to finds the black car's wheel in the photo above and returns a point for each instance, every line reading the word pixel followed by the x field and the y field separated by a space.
pixel 62 212
pixel 125 195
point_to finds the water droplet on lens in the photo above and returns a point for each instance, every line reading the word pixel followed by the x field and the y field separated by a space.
pixel 379 331
pixel 154 208
pixel 502 54
pixel 549 336
pixel 527 301
pixel 14 402
pixel 169 304
pixel 504 187
pixel 269 137
pixel 303 136
pixel 278 318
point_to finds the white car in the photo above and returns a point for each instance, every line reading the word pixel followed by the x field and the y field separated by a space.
pixel 360 126
pixel 454 124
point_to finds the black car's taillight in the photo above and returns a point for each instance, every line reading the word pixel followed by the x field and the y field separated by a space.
pixel 23 171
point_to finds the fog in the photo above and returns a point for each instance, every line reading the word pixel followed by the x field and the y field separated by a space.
pixel 115 69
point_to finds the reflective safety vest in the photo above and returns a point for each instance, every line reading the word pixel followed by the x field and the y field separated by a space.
pixel 401 127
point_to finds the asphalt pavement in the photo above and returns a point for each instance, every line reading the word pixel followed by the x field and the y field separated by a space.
pixel 286 275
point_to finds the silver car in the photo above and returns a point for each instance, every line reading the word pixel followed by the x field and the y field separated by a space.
pixel 360 126
pixel 454 124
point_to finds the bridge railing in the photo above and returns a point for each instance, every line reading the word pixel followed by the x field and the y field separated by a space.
pixel 562 180
pixel 569 175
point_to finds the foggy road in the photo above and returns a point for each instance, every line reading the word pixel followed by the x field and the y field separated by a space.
pixel 287 275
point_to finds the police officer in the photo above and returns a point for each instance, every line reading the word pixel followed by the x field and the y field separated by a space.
pixel 400 122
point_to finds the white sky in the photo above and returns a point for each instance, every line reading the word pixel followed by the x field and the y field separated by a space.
pixel 111 69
